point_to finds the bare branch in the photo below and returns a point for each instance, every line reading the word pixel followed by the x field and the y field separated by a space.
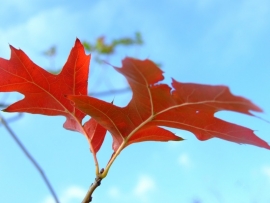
pixel 105 93
pixel 97 182
pixel 2 105
pixel 88 197
pixel 30 157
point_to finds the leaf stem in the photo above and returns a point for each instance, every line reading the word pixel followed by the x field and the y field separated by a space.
pixel 102 174
pixel 93 152
pixel 114 156
pixel 122 146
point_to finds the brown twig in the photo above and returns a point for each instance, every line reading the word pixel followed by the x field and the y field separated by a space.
pixel 30 157
pixel 88 197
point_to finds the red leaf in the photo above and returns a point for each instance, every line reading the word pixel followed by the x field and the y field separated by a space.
pixel 95 133
pixel 45 93
pixel 187 106
pixel 153 133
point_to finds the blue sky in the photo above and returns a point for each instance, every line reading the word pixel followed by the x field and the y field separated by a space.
pixel 206 41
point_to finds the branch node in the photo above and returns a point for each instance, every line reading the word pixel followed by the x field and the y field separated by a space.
pixel 101 171
pixel 88 198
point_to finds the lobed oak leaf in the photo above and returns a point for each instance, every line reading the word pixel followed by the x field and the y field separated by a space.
pixel 44 92
pixel 185 106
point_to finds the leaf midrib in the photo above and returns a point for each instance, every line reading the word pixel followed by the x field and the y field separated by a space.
pixel 65 111
pixel 150 118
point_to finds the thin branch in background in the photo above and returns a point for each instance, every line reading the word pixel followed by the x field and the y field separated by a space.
pixel 14 118
pixel 30 157
pixel 51 53
pixel 102 48
pixel 2 105
pixel 105 93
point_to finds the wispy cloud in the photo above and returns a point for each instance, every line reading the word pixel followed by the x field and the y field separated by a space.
pixel 237 29
pixel 144 186
pixel 141 192
pixel 184 160
pixel 266 171
pixel 115 193
pixel 71 194
pixel 42 28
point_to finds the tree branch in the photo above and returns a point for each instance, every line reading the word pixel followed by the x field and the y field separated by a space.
pixel 88 197
pixel 30 157
pixel 105 93
pixel 2 105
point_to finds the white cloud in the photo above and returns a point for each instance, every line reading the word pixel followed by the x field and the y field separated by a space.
pixel 266 171
pixel 200 4
pixel 141 192
pixel 115 193
pixel 184 160
pixel 16 5
pixel 71 194
pixel 46 26
pixel 238 28
pixel 144 186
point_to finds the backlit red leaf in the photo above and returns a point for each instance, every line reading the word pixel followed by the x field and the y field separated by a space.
pixel 95 134
pixel 185 106
pixel 44 92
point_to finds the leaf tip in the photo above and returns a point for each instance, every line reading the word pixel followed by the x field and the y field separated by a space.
pixel 4 110
pixel 77 40
pixel 13 49
pixel 78 43
pixel 266 146
pixel 178 139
